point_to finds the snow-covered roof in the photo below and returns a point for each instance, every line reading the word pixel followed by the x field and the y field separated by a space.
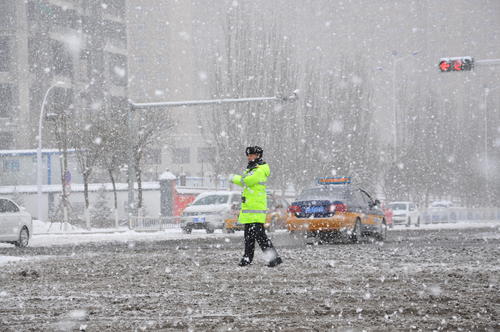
pixel 167 176
pixel 401 202
pixel 191 191
pixel 30 152
pixel 219 192
pixel 75 187
pixel 78 187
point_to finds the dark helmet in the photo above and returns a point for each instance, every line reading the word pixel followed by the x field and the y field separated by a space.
pixel 254 150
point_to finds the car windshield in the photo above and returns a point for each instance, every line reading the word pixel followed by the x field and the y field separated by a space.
pixel 397 206
pixel 211 200
pixel 323 193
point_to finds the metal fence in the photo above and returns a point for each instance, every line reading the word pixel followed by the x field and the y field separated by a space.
pixel 455 214
pixel 140 223
pixel 428 216
pixel 144 223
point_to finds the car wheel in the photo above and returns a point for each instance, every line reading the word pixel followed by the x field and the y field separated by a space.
pixel 418 222
pixel 409 222
pixel 210 230
pixel 24 237
pixel 356 232
pixel 186 230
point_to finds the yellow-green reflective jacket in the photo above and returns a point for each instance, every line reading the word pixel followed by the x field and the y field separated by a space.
pixel 254 199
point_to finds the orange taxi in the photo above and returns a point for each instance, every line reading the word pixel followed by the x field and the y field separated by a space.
pixel 334 208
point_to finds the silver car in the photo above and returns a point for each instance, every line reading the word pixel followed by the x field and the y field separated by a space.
pixel 209 210
pixel 405 213
pixel 16 226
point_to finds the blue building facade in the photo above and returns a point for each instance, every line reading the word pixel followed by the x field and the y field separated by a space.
pixel 18 167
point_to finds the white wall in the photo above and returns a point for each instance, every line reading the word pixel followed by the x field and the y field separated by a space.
pixel 29 197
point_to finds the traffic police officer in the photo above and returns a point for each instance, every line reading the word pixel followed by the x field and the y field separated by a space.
pixel 254 207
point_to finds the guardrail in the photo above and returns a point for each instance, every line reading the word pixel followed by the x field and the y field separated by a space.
pixel 455 214
pixel 144 223
pixel 428 216
pixel 140 223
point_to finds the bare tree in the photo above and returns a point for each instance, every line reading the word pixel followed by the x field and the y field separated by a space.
pixel 254 59
pixel 150 128
pixel 86 132
pixel 336 136
pixel 114 143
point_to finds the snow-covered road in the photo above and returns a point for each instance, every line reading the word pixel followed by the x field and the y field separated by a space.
pixel 436 277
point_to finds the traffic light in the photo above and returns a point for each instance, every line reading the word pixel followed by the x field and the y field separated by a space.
pixel 464 63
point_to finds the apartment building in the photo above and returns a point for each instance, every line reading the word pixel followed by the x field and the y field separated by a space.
pixel 82 45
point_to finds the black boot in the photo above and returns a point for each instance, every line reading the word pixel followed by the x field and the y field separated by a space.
pixel 244 261
pixel 275 262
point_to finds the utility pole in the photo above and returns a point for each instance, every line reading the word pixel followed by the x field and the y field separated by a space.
pixel 133 106
pixel 39 150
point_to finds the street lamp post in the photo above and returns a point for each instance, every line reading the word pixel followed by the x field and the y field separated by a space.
pixel 133 106
pixel 39 151
pixel 394 107
pixel 486 159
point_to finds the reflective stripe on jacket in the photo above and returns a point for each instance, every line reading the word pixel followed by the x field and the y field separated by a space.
pixel 254 197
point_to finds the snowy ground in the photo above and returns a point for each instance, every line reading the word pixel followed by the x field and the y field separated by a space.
pixel 437 277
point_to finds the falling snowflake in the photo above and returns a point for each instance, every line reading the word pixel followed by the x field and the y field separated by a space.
pixel 120 71
pixel 202 75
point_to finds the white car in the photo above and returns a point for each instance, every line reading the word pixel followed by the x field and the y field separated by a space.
pixel 15 223
pixel 405 213
pixel 209 210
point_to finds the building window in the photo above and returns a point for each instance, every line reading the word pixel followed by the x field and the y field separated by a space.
pixel 7 14
pixel 181 156
pixel 153 157
pixel 62 63
pixel 206 155
pixel 114 30
pixel 6 140
pixel 4 54
pixel 11 165
pixel 61 100
pixel 115 8
pixel 6 100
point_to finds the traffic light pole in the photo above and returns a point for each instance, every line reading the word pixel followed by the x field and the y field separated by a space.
pixel 488 62
pixel 486 159
pixel 132 107
pixel 467 64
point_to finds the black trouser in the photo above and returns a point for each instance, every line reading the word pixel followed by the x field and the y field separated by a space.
pixel 257 232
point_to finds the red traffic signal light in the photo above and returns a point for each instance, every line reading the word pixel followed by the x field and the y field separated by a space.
pixel 465 63
pixel 444 65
